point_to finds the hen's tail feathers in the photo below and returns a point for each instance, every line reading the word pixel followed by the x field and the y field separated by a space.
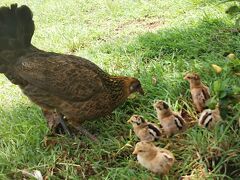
pixel 16 27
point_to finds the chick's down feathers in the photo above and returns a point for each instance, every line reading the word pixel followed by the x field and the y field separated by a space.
pixel 144 130
pixel 157 160
pixel 200 92
pixel 172 122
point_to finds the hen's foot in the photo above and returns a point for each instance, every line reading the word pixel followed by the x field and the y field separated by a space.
pixel 86 133
pixel 56 122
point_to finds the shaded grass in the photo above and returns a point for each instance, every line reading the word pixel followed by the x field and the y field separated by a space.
pixel 192 35
pixel 188 42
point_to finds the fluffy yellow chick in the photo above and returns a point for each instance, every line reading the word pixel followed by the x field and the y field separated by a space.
pixel 155 159
pixel 200 93
pixel 144 130
pixel 171 122
pixel 209 118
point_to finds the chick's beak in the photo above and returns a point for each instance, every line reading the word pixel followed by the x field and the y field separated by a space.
pixel 129 121
pixel 157 106
pixel 135 152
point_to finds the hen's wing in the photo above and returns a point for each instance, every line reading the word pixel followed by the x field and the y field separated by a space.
pixel 65 76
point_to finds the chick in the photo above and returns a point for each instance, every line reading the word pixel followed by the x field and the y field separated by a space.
pixel 171 122
pixel 209 118
pixel 200 93
pixel 155 159
pixel 144 130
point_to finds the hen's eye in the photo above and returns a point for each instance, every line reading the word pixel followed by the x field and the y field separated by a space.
pixel 137 86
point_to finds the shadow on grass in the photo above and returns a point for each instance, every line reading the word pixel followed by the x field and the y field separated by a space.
pixel 210 38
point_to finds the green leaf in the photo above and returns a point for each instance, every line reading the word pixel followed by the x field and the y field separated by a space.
pixel 236 90
pixel 222 94
pixel 212 102
pixel 217 86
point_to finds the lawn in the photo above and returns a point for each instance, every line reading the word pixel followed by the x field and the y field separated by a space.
pixel 157 41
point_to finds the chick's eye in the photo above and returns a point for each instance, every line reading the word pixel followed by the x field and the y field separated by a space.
pixel 136 122
pixel 141 119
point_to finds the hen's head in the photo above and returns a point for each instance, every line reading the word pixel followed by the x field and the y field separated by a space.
pixel 133 85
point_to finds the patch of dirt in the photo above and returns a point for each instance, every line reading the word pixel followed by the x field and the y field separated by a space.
pixel 86 170
pixel 149 24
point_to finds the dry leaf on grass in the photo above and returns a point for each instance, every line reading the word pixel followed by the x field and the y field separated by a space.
pixel 35 174
pixel 217 68
pixel 231 56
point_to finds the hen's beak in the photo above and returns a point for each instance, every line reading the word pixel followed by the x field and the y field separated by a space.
pixel 140 90
pixel 129 121
pixel 135 152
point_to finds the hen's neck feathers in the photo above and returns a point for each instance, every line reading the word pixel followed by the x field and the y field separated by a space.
pixel 119 84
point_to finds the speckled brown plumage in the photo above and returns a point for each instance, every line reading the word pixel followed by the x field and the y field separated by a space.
pixel 70 85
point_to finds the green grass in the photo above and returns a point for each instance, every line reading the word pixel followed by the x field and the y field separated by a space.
pixel 145 39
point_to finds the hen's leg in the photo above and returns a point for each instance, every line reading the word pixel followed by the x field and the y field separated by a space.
pixel 64 126
pixel 56 122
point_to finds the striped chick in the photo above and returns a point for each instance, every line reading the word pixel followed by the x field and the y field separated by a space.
pixel 171 122
pixel 209 118
pixel 144 130
pixel 200 93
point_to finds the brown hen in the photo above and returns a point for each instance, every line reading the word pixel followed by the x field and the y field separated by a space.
pixel 62 85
